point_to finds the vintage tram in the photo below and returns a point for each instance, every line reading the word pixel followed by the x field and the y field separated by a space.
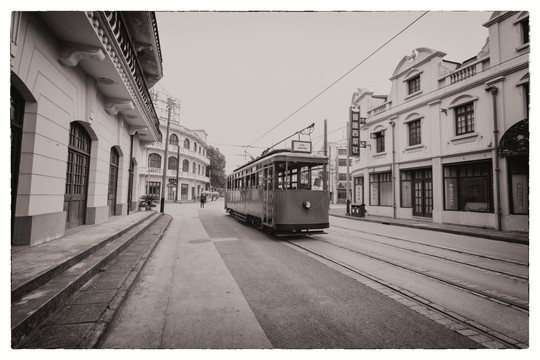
pixel 281 191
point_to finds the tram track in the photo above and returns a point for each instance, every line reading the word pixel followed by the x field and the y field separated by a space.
pixel 489 337
pixel 508 275
pixel 434 246
pixel 505 300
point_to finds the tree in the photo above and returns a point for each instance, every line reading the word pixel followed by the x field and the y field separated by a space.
pixel 216 170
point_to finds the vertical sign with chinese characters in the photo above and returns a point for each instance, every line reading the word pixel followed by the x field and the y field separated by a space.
pixel 354 141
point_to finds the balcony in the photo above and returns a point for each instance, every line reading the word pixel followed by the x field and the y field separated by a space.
pixel 151 171
pixel 186 153
pixel 121 51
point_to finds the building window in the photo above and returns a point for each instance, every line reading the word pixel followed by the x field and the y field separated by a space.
pixel 359 190
pixel 468 187
pixel 414 85
pixel 525 31
pixel 342 162
pixel 195 147
pixel 185 166
pixel 415 134
pixel 153 188
pixel 380 186
pixel 342 177
pixel 173 163
pixel 154 161
pixel 464 119
pixel 186 144
pixel 342 151
pixel 173 140
pixel 518 184
pixel 194 167
pixel 379 141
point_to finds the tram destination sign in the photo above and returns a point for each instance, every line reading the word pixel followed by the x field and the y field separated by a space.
pixel 301 146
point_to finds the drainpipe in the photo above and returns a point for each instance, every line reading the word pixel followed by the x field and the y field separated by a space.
pixel 493 90
pixel 130 183
pixel 393 124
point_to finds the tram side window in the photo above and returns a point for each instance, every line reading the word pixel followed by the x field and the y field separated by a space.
pixel 305 178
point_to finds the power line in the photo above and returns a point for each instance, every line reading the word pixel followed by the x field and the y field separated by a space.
pixel 340 78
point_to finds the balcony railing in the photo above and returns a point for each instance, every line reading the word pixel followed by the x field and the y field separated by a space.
pixel 173 150
pixel 380 109
pixel 114 22
pixel 144 170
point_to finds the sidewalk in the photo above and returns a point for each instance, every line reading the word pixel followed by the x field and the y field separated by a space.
pixel 46 276
pixel 493 234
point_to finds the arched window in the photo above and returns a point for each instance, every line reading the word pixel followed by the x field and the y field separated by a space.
pixel 173 163
pixel 185 166
pixel 195 147
pixel 194 167
pixel 154 161
pixel 186 144
pixel 173 140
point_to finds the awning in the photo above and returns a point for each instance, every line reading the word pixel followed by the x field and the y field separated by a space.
pixel 515 140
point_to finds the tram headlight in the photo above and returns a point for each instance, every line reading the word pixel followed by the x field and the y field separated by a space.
pixel 306 205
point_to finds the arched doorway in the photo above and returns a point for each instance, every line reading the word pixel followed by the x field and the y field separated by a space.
pixel 113 181
pixel 77 175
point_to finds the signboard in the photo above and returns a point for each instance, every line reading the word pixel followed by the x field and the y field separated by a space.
pixel 301 146
pixel 354 131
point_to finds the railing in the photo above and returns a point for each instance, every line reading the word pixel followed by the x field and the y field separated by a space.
pixel 114 22
pixel 173 150
pixel 464 73
pixel 144 170
pixel 380 109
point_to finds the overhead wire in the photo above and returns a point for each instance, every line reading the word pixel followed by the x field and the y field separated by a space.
pixel 341 77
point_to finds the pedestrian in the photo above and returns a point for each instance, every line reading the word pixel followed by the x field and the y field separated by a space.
pixel 203 200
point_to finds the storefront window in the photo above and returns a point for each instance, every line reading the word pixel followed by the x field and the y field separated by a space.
pixel 468 187
pixel 380 186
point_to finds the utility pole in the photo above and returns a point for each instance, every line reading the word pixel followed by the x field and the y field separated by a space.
pixel 348 211
pixel 177 169
pixel 164 180
pixel 325 168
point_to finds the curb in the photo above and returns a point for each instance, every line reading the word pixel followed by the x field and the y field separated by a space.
pixel 94 336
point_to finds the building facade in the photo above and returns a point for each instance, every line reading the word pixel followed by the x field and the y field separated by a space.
pixel 337 164
pixel 187 163
pixel 450 142
pixel 80 112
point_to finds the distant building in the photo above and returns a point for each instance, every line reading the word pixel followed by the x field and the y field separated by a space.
pixel 80 112
pixel 450 141
pixel 187 161
pixel 337 160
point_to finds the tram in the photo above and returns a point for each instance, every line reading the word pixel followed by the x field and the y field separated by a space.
pixel 281 191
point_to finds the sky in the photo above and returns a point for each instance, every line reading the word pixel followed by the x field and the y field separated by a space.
pixel 249 79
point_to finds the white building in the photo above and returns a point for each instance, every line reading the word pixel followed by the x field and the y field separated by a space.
pixel 450 142
pixel 80 112
pixel 190 172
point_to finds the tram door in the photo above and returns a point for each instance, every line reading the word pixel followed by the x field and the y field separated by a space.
pixel 268 194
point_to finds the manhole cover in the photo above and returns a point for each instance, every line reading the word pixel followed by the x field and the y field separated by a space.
pixel 198 241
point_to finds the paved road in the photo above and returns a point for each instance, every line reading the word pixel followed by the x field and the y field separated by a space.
pixel 215 283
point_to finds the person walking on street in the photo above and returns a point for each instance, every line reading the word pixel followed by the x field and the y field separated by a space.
pixel 203 200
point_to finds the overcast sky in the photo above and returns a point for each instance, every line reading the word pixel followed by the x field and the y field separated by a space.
pixel 239 74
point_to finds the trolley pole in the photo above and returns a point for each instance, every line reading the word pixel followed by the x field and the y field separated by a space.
pixel 164 180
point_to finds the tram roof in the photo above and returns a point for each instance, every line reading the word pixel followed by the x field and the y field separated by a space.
pixel 285 155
